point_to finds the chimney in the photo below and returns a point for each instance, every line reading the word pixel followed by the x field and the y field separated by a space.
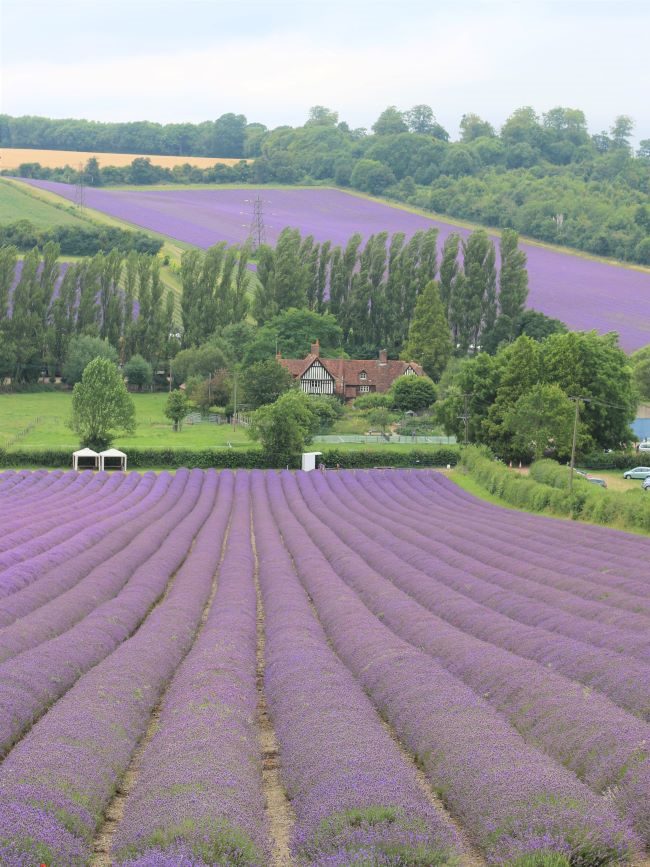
pixel 315 348
pixel 383 356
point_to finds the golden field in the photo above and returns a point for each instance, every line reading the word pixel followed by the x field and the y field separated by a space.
pixel 11 158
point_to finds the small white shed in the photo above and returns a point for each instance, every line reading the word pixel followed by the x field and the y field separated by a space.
pixel 85 459
pixel 112 459
pixel 309 461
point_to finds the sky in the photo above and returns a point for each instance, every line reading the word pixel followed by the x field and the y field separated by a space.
pixel 271 60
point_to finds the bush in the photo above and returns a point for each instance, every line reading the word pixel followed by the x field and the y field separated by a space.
pixel 372 400
pixel 252 458
pixel 546 490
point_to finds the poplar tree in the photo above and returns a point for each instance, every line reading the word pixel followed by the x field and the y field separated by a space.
pixel 429 340
pixel 513 276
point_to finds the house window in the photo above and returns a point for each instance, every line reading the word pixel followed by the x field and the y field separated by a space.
pixel 409 372
pixel 363 375
pixel 364 388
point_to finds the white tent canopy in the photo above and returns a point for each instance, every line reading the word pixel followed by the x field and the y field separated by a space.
pixel 88 458
pixel 113 455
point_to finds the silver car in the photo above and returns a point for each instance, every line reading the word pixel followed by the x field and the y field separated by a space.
pixel 637 473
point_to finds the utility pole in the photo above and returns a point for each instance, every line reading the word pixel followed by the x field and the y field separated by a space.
pixel 257 230
pixel 575 438
pixel 234 400
pixel 170 375
pixel 465 416
pixel 80 188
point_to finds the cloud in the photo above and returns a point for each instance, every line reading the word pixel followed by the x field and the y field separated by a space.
pixel 490 59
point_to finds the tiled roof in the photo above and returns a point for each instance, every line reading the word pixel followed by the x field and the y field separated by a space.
pixel 346 371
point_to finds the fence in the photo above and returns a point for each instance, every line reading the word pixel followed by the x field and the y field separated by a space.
pixel 389 439
pixel 211 418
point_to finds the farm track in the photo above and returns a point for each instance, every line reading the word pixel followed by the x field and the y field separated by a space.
pixel 114 813
pixel 278 807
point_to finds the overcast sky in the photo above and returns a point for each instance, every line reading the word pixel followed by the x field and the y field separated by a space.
pixel 192 60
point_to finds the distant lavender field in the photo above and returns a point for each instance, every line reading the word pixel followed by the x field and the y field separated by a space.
pixel 584 293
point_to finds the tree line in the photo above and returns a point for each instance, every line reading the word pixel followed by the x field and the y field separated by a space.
pixel 46 307
pixel 544 175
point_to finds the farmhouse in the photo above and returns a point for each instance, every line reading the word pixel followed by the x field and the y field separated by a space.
pixel 347 378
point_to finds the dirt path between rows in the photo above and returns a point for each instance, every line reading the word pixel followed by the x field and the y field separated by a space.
pixel 114 813
pixel 280 815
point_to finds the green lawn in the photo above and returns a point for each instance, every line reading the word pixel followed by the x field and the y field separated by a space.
pixel 38 421
pixel 17 203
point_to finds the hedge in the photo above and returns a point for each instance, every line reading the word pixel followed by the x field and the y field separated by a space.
pixel 627 509
pixel 172 459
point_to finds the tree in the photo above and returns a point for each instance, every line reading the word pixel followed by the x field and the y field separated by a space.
pixel 81 351
pixel 292 333
pixel 264 382
pixel 138 372
pixel 177 407
pixel 513 276
pixel 473 127
pixel 541 422
pixel 201 361
pixel 621 131
pixel 421 119
pixel 284 427
pixel 371 176
pixel 412 393
pixel 101 405
pixel 389 121
pixel 640 361
pixel 429 338
pixel 380 417
pixel 319 115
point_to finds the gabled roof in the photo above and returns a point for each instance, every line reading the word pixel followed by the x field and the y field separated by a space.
pixel 112 453
pixel 85 453
pixel 345 371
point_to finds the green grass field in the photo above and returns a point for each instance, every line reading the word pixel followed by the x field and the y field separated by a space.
pixel 38 421
pixel 16 204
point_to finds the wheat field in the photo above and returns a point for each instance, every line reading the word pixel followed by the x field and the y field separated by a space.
pixel 11 158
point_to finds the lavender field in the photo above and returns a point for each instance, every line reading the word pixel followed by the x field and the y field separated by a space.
pixel 341 668
pixel 584 293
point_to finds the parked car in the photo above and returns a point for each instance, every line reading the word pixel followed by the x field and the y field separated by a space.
pixel 644 447
pixel 637 473
pixel 595 481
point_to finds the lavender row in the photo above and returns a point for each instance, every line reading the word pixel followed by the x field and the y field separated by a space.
pixel 514 800
pixel 528 607
pixel 48 492
pixel 86 553
pixel 26 484
pixel 356 799
pixel 97 586
pixel 18 530
pixel 625 680
pixel 199 788
pixel 56 784
pixel 582 730
pixel 544 582
pixel 617 552
pixel 84 482
pixel 77 516
pixel 32 681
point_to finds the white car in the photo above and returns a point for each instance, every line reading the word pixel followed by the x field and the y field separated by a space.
pixel 644 447
pixel 637 473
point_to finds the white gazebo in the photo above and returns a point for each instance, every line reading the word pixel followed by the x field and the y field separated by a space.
pixel 85 459
pixel 309 461
pixel 112 459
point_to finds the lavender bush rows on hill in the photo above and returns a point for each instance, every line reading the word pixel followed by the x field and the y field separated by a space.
pixel 584 293
pixel 507 653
